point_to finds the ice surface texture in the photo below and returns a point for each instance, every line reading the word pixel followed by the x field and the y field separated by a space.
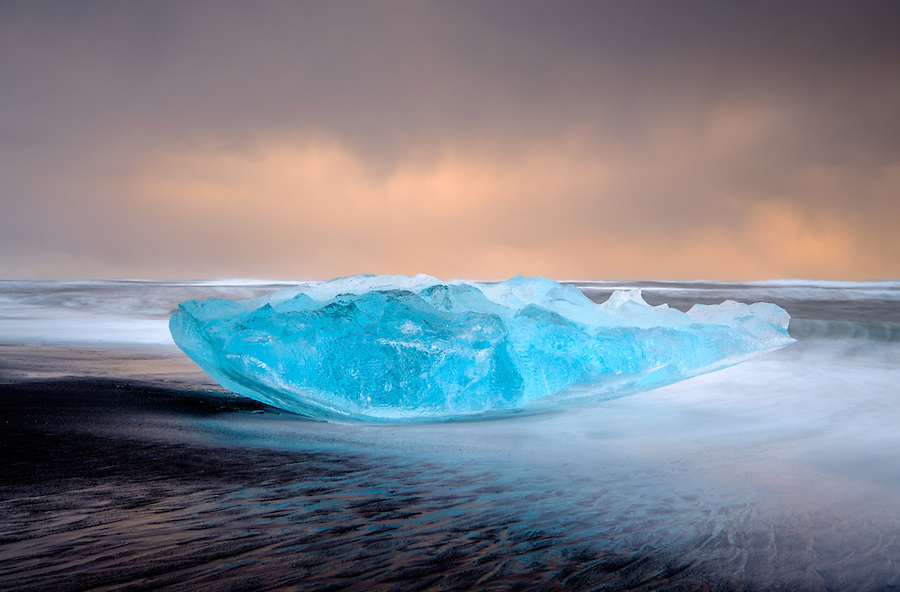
pixel 400 348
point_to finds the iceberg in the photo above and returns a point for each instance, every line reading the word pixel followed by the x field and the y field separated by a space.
pixel 397 348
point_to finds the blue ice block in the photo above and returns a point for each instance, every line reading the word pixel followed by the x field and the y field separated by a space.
pixel 399 348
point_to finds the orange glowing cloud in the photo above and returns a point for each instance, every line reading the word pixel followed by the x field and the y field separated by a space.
pixel 315 209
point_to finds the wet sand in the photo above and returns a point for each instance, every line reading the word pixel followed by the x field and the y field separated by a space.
pixel 106 485
pixel 132 470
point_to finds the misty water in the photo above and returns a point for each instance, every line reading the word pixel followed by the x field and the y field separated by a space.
pixel 127 468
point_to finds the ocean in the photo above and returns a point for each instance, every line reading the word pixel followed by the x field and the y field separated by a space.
pixel 125 467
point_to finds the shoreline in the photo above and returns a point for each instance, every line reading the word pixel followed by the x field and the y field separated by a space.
pixel 135 486
pixel 130 469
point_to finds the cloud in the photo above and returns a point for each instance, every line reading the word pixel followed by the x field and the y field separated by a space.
pixel 313 208
pixel 480 140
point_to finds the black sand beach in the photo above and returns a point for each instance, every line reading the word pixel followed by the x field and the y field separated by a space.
pixel 106 485
pixel 125 467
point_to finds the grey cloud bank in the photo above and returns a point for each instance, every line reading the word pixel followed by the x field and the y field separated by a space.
pixel 699 116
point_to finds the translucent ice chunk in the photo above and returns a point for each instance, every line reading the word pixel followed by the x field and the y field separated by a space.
pixel 399 348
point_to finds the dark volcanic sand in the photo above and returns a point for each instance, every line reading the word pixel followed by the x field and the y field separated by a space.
pixel 106 485
pixel 118 482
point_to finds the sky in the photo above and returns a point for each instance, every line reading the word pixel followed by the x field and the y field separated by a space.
pixel 474 139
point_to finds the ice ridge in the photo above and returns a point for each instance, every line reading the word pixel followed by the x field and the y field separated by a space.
pixel 400 348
